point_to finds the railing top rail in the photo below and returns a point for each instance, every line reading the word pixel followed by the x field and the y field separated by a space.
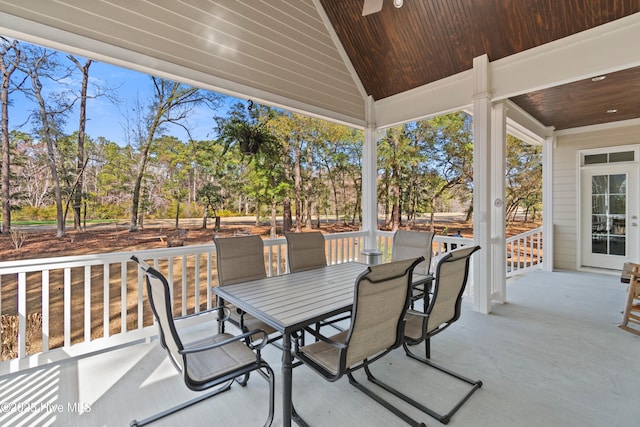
pixel 38 264
pixel 7 267
pixel 525 234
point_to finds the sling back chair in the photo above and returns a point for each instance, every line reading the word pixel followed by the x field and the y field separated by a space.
pixel 241 259
pixel 410 244
pixel 381 298
pixel 217 360
pixel 443 309
pixel 305 251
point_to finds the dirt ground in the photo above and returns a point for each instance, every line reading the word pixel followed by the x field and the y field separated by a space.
pixel 42 243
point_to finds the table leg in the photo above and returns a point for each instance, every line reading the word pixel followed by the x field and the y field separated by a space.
pixel 287 377
pixel 288 411
pixel 220 303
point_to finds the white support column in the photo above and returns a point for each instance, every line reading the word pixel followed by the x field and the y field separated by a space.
pixel 498 225
pixel 482 260
pixel 369 178
pixel 547 202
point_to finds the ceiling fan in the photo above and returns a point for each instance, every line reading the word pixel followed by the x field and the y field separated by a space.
pixel 375 6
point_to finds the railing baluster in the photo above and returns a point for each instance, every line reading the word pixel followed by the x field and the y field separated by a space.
pixel 196 284
pixel 106 323
pixel 22 315
pixel 87 303
pixel 123 296
pixel 170 280
pixel 184 285
pixel 209 279
pixel 45 310
pixel 141 282
pixel 67 306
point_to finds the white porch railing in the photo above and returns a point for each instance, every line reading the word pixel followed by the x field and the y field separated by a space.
pixel 67 306
pixel 524 252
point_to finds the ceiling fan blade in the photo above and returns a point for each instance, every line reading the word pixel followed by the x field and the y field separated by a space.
pixel 371 6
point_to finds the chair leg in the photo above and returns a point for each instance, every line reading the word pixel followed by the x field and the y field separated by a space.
pixel 180 407
pixel 243 380
pixel 446 417
pixel 382 401
pixel 270 377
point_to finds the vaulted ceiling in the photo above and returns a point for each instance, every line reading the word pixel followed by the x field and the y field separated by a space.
pixel 325 58
pixel 399 49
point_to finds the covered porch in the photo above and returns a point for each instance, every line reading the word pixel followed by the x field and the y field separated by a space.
pixel 552 356
pixel 524 69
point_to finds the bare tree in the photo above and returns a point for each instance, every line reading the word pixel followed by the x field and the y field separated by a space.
pixel 172 104
pixel 41 63
pixel 98 90
pixel 80 162
pixel 11 54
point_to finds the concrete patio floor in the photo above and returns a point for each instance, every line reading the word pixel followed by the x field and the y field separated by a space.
pixel 552 356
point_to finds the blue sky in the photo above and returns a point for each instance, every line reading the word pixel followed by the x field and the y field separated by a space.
pixel 106 119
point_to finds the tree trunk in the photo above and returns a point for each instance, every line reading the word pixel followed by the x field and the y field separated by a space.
pixel 286 216
pixel 273 232
pixel 258 209
pixel 178 215
pixel 47 132
pixel 204 219
pixel 297 182
pixel 6 151
pixel 469 214
pixel 395 195
pixel 137 189
pixel 308 217
pixel 432 208
pixel 80 163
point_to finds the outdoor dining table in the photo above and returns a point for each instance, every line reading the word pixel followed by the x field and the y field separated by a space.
pixel 291 302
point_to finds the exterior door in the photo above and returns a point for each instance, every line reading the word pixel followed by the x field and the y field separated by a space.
pixel 609 216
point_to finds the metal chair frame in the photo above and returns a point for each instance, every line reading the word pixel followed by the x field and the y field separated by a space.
pixel 368 277
pixel 169 339
pixel 461 256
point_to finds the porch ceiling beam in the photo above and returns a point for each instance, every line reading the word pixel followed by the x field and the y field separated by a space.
pixel 600 50
pixel 524 126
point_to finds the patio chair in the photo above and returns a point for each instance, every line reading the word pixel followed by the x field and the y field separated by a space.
pixel 305 251
pixel 217 360
pixel 451 277
pixel 381 298
pixel 241 259
pixel 631 313
pixel 410 244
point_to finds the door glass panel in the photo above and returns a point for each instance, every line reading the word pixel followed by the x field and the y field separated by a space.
pixel 608 214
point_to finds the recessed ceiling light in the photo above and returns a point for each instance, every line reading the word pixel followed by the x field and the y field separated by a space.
pixel 613 110
pixel 599 78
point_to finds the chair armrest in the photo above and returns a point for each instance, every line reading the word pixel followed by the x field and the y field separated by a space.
pixel 228 341
pixel 416 313
pixel 224 318
pixel 329 341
